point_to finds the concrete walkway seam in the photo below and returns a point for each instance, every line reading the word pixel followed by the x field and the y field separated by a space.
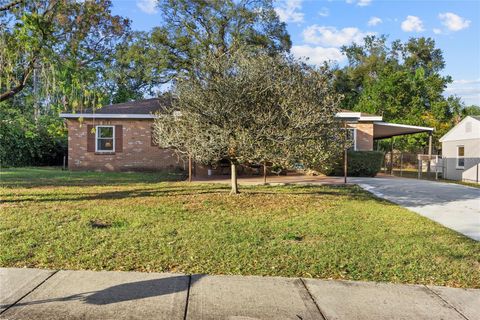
pixel 26 294
pixel 313 299
pixel 448 303
pixel 188 297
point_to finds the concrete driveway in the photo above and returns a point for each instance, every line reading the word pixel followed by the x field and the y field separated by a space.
pixel 452 205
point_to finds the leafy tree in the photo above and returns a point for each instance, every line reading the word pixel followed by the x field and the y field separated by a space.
pixel 248 109
pixel 471 110
pixel 24 141
pixel 401 82
pixel 53 55
pixel 138 67
pixel 56 48
pixel 193 29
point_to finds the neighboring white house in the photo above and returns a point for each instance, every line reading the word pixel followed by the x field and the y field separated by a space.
pixel 461 151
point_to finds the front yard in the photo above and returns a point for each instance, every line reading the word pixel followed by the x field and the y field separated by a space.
pixel 143 222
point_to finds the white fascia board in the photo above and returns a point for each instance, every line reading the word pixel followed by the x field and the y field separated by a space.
pixel 107 116
pixel 348 115
pixel 388 124
pixel 371 118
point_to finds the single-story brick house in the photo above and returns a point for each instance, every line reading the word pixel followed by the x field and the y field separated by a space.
pixel 122 139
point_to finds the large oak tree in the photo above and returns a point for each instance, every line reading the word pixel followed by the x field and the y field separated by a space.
pixel 251 108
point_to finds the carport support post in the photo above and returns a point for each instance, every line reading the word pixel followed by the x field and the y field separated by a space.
pixel 345 154
pixel 391 156
pixel 401 164
pixel 429 151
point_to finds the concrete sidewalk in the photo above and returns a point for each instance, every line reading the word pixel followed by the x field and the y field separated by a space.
pixel 45 294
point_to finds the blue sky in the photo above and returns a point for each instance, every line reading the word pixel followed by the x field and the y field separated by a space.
pixel 319 28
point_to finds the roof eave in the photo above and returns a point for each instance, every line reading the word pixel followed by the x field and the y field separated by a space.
pixel 106 116
pixel 409 129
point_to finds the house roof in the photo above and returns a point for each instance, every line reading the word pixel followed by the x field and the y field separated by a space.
pixel 141 109
pixel 383 130
pixel 146 109
pixel 468 128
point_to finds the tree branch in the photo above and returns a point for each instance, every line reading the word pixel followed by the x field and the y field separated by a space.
pixel 22 83
pixel 10 5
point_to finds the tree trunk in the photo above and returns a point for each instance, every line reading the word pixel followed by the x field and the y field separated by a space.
pixel 264 172
pixel 189 168
pixel 233 174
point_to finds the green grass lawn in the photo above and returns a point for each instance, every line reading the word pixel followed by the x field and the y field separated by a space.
pixel 127 221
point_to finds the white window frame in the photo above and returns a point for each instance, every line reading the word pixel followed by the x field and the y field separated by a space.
pixel 460 157
pixel 354 137
pixel 97 137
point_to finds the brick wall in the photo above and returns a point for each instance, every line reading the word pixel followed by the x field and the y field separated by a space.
pixel 137 152
pixel 364 136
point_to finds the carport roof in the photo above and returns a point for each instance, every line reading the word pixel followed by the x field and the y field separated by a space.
pixel 382 130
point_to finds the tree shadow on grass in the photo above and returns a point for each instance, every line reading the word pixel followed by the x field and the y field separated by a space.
pixel 172 191
pixel 57 178
pixel 116 195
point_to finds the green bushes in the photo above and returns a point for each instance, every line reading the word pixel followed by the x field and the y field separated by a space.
pixel 364 163
pixel 26 142
pixel 360 164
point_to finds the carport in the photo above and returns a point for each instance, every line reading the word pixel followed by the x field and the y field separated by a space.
pixel 384 130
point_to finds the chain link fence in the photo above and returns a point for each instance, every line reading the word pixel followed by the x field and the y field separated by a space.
pixel 412 165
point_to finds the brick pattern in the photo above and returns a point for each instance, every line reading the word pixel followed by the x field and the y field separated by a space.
pixel 364 136
pixel 138 152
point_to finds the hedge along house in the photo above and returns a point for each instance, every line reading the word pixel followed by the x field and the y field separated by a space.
pixel 461 151
pixel 118 137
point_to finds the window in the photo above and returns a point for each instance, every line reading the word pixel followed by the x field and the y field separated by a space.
pixel 352 138
pixel 460 157
pixel 105 139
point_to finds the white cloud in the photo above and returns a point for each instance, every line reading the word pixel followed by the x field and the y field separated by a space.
pixel 453 22
pixel 324 12
pixel 290 11
pixel 317 55
pixel 331 36
pixel 148 6
pixel 412 24
pixel 360 3
pixel 468 90
pixel 437 31
pixel 363 3
pixel 374 21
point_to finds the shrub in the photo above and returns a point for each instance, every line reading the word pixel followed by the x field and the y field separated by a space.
pixel 26 142
pixel 360 164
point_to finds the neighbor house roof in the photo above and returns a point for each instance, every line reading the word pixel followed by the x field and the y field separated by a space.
pixel 141 109
pixel 468 128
